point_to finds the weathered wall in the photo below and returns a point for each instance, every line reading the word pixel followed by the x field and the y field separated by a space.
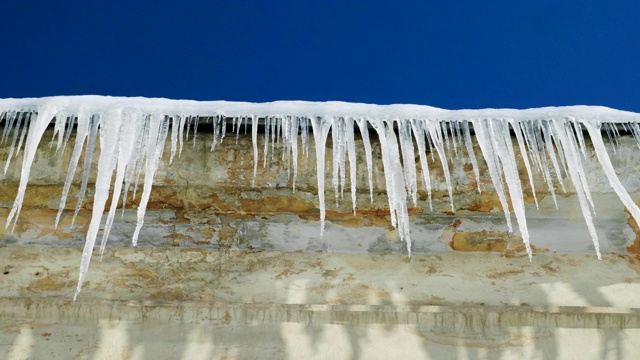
pixel 205 199
pixel 167 303
pixel 227 270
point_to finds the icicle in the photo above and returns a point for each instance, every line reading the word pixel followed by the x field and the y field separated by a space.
pixel 487 146
pixel 525 158
pixel 559 149
pixel 573 165
pixel 339 157
pixel 223 125
pixel 430 142
pixel 504 149
pixel 364 133
pixel 544 126
pixel 533 138
pixel 240 121
pixel 396 188
pixel 155 146
pixel 471 153
pixel 458 135
pixel 134 166
pixel 611 141
pixel 233 124
pixel 267 122
pixel 278 130
pixel 129 131
pixel 286 153
pixel 72 121
pixel 635 131
pixel 605 161
pixel 13 142
pixel 81 135
pixel 625 128
pixel 254 142
pixel 580 168
pixel 549 180
pixel 435 134
pixel 321 129
pixel 578 132
pixel 216 132
pixel 419 134
pixel 445 135
pixel 408 159
pixel 110 134
pixel 59 128
pixel 336 158
pixel 351 154
pixel 10 118
pixel 293 139
pixel 140 162
pixel 342 145
pixel 23 133
pixel 195 129
pixel 182 123
pixel 532 145
pixel 94 123
pixel 454 139
pixel 175 129
pixel 272 130
pixel 304 135
pixel 36 130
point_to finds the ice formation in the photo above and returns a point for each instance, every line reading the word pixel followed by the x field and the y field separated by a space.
pixel 132 132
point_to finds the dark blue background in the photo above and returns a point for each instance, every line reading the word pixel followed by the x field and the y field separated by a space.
pixel 451 54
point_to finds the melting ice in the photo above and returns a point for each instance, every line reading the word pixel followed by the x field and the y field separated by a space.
pixel 131 133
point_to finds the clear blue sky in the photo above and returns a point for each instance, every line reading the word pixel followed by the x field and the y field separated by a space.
pixel 451 54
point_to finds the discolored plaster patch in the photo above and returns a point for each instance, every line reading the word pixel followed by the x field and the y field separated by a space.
pixel 51 281
pixel 632 261
pixel 485 241
pixel 517 247
pixel 635 247
pixel 288 272
pixel 276 204
pixel 175 293
pixel 174 239
pixel 504 274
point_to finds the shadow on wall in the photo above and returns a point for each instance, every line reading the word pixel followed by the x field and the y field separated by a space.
pixel 345 306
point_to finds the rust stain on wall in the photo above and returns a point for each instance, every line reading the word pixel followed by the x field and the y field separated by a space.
pixel 485 240
pixel 276 204
pixel 635 247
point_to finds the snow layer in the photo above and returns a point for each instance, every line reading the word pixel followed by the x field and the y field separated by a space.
pixel 132 133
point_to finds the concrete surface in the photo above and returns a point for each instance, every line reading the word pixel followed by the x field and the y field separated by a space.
pixel 202 304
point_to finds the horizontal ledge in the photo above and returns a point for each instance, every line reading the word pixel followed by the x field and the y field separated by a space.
pixel 83 310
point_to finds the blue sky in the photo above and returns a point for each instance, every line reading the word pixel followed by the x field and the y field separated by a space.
pixel 450 54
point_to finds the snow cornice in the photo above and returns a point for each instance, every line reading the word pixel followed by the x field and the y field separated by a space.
pixel 99 104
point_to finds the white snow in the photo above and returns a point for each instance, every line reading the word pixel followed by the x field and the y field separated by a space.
pixel 133 132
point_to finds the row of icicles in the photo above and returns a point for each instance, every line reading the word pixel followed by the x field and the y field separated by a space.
pixel 131 145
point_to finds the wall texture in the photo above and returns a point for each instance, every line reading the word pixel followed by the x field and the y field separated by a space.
pixel 205 199
pixel 228 270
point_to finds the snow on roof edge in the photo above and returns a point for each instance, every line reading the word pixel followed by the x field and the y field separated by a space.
pixel 99 104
